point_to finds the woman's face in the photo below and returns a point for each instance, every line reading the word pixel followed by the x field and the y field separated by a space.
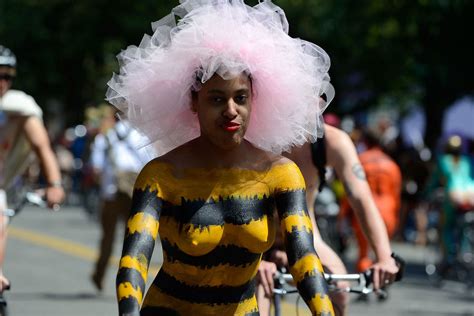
pixel 223 109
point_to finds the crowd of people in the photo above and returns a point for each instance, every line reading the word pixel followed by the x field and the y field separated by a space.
pixel 209 157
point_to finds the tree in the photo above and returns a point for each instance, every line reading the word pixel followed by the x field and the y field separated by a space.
pixel 395 52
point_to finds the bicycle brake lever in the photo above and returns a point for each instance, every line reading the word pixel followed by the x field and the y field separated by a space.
pixel 366 278
pixel 35 199
pixel 359 290
pixel 401 266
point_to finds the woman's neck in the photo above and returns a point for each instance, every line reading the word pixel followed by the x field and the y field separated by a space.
pixel 215 156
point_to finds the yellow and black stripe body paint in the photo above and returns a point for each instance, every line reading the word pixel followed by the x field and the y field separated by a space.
pixel 305 265
pixel 214 226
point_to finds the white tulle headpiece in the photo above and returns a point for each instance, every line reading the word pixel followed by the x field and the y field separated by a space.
pixel 226 37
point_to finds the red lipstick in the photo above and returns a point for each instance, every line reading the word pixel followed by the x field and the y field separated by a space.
pixel 231 126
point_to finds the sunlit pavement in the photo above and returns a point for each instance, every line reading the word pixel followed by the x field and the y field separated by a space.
pixel 50 258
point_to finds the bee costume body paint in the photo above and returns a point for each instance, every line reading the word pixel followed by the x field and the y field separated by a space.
pixel 225 75
pixel 214 226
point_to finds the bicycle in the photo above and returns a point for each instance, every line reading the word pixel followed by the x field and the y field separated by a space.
pixel 283 284
pixel 32 198
pixel 461 267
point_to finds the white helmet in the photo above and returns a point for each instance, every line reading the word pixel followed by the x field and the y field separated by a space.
pixel 7 58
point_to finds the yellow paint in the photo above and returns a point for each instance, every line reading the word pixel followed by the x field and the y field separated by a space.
pixel 257 236
pixel 287 177
pixel 154 295
pixel 321 304
pixel 226 275
pixel 126 290
pixel 139 264
pixel 193 240
pixel 204 184
pixel 143 223
pixel 301 222
pixel 309 264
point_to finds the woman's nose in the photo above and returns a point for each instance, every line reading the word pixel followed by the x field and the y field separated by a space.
pixel 230 110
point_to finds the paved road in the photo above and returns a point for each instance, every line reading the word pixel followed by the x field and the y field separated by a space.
pixel 50 258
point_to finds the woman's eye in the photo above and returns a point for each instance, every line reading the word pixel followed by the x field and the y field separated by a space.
pixel 241 99
pixel 217 99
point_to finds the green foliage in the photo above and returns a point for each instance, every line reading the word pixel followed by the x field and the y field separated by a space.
pixel 382 51
pixel 66 49
pixel 392 52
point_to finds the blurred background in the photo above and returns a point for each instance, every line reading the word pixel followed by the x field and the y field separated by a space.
pixel 401 68
pixel 397 54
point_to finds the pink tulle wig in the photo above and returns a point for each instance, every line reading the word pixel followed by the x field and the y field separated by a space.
pixel 225 37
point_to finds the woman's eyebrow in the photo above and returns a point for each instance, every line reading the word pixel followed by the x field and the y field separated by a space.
pixel 215 91
pixel 242 91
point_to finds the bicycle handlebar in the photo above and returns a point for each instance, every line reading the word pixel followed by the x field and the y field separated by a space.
pixel 33 198
pixel 363 279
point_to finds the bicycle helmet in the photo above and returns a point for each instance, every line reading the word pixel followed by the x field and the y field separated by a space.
pixel 7 58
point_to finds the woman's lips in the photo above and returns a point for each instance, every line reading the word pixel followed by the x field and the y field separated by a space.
pixel 231 126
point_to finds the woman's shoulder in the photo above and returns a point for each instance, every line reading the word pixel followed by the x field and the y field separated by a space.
pixel 285 175
pixel 156 169
pixel 265 160
pixel 173 158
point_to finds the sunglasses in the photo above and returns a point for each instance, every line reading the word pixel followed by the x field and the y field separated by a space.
pixel 6 77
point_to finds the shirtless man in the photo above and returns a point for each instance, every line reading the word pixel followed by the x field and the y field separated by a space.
pixel 342 156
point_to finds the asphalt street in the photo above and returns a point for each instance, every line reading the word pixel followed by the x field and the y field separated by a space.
pixel 50 258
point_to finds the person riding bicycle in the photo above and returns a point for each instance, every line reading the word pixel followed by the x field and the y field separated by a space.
pixel 384 179
pixel 21 132
pixel 453 173
pixel 214 94
pixel 337 150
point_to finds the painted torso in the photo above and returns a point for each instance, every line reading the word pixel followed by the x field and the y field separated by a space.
pixel 214 226
pixel 384 179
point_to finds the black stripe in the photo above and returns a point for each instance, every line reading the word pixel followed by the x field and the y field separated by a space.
pixel 290 202
pixel 138 244
pixel 132 276
pixel 232 210
pixel 228 254
pixel 163 311
pixel 312 285
pixel 155 311
pixel 204 294
pixel 128 306
pixel 298 244
pixel 146 201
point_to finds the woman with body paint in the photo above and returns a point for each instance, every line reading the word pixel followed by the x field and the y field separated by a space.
pixel 219 96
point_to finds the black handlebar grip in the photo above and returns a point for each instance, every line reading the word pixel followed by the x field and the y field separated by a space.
pixel 368 277
pixel 401 266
